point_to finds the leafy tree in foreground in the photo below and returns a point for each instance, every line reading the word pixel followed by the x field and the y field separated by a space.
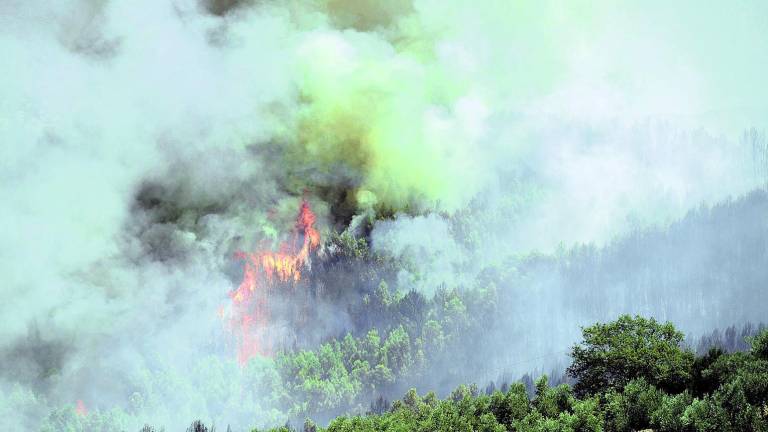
pixel 613 354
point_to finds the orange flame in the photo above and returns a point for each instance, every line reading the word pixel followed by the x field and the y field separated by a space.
pixel 250 301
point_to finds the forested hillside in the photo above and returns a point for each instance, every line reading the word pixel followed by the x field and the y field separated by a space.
pixel 631 374
pixel 704 271
pixel 515 318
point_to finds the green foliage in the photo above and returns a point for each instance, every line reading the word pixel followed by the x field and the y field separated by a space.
pixel 587 416
pixel 511 406
pixel 703 380
pixel 760 345
pixel 637 376
pixel 345 244
pixel 706 415
pixel 65 419
pixel 641 401
pixel 551 402
pixel 668 416
pixel 631 347
pixel 345 374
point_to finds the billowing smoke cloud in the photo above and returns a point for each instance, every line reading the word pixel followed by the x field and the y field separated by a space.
pixel 144 142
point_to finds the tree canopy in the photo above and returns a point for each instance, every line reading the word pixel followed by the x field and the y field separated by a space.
pixel 613 354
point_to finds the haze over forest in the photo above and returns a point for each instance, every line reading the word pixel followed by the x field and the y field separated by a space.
pixel 250 212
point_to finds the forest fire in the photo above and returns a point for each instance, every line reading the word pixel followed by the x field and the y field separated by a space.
pixel 262 270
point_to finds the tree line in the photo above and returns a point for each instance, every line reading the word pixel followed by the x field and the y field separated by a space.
pixel 631 374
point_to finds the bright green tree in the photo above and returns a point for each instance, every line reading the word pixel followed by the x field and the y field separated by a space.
pixel 613 354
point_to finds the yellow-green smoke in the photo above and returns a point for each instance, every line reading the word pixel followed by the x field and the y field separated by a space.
pixel 382 111
pixel 386 117
pixel 398 98
pixel 396 101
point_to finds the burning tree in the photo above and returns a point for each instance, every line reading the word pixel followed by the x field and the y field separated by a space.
pixel 263 272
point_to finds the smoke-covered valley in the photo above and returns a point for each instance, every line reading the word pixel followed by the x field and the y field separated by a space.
pixel 483 180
